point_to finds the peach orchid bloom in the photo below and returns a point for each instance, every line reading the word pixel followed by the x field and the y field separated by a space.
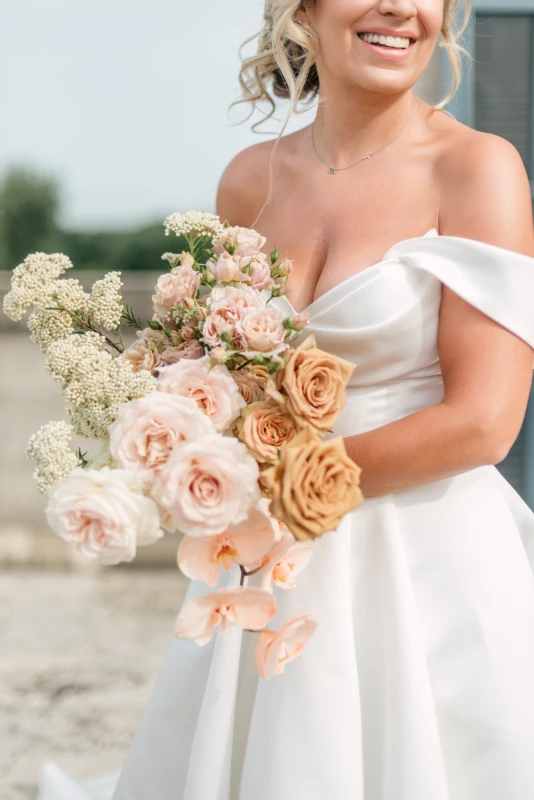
pixel 275 649
pixel 246 543
pixel 250 608
pixel 284 563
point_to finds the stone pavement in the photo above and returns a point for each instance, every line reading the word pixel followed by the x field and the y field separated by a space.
pixel 79 652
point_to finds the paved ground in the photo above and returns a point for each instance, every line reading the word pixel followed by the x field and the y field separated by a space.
pixel 78 656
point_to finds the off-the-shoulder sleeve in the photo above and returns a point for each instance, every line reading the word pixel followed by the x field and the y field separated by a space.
pixel 497 281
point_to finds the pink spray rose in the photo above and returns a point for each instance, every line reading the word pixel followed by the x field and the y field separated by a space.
pixel 242 241
pixel 173 287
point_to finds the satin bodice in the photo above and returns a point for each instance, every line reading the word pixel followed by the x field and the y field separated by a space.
pixel 385 319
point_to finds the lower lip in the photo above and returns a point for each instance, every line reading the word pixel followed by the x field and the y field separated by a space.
pixel 389 53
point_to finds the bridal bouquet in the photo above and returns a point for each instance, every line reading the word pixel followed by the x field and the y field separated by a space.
pixel 210 424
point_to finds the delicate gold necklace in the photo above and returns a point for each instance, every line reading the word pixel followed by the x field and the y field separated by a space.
pixel 333 169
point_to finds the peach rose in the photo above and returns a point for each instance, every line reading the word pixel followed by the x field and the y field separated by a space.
pixel 173 287
pixel 208 484
pixel 275 649
pixel 314 485
pixel 312 385
pixel 261 332
pixel 265 428
pixel 249 384
pixel 240 241
pixel 104 514
pixel 213 388
pixel 142 436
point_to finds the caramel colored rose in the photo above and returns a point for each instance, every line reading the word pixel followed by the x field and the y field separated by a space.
pixel 265 428
pixel 312 385
pixel 314 485
pixel 249 384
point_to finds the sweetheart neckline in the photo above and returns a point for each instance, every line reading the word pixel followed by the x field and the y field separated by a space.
pixel 355 276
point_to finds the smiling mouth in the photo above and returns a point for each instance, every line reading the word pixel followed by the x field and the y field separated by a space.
pixel 387 42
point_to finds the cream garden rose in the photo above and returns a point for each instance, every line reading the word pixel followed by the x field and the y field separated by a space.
pixel 208 484
pixel 146 430
pixel 212 388
pixel 104 514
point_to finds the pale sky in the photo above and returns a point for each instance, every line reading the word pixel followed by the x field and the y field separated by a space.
pixel 125 101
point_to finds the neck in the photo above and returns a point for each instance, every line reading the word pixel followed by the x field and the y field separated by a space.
pixel 346 127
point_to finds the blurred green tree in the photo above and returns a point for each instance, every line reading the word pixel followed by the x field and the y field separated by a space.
pixel 29 205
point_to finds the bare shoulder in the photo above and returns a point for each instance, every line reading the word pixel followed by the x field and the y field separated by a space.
pixel 484 189
pixel 244 183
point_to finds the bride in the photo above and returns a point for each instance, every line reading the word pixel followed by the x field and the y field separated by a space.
pixel 413 245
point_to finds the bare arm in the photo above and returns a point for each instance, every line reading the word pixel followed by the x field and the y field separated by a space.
pixel 487 370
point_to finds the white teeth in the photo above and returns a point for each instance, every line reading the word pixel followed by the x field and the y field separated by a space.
pixel 389 41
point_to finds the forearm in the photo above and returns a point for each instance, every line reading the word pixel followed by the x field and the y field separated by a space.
pixel 431 444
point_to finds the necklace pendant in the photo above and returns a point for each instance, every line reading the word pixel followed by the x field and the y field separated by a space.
pixel 368 155
pixel 332 170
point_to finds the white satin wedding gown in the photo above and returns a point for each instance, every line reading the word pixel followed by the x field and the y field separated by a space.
pixel 419 681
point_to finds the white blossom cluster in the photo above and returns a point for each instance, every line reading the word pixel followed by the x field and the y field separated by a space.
pixel 193 224
pixel 105 303
pixel 31 280
pixel 95 384
pixel 46 325
pixel 50 449
pixel 173 258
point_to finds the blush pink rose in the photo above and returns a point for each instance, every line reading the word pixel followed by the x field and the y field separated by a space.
pixel 145 431
pixel 200 558
pixel 104 514
pixel 262 332
pixel 241 241
pixel 173 288
pixel 213 388
pixel 247 607
pixel 276 649
pixel 207 485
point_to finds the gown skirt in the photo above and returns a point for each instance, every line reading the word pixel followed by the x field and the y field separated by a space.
pixel 418 683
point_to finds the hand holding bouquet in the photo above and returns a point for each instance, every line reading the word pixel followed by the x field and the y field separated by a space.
pixel 210 424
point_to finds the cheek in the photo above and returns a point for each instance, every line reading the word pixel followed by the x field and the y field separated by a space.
pixel 430 14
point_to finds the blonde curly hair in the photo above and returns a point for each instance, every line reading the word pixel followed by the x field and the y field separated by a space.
pixel 286 58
